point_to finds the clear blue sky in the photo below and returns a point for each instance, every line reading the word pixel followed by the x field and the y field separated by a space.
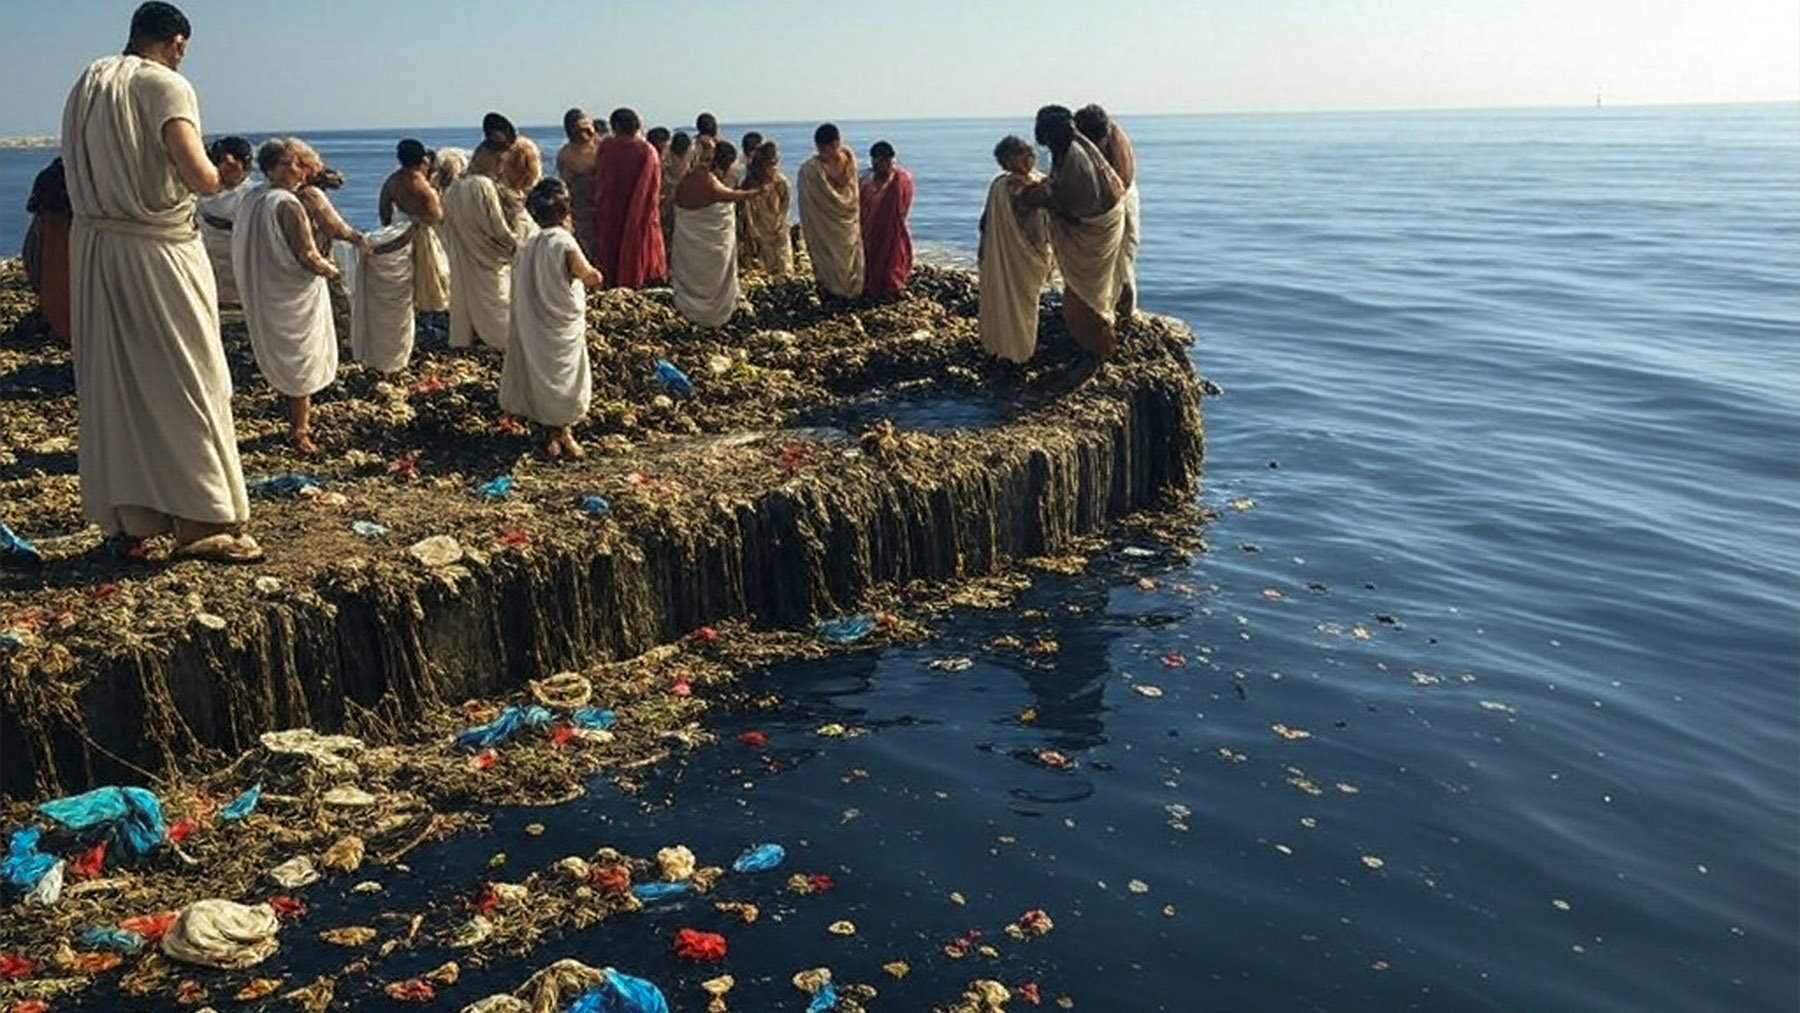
pixel 375 63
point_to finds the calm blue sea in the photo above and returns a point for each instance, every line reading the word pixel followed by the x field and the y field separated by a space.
pixel 1508 468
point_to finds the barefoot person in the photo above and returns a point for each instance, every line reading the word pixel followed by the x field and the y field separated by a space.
pixel 481 235
pixel 765 241
pixel 383 294
pixel 628 239
pixel 329 229
pixel 158 451
pixel 703 265
pixel 886 195
pixel 546 377
pixel 675 164
pixel 215 212
pixel 829 218
pixel 1087 227
pixel 1115 145
pixel 575 167
pixel 497 137
pixel 1013 256
pixel 282 275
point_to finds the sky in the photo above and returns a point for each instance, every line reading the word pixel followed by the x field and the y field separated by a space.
pixel 330 64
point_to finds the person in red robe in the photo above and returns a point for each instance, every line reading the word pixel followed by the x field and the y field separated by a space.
pixel 628 239
pixel 46 249
pixel 887 194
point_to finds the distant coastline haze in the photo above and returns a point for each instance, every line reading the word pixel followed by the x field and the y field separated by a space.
pixel 409 62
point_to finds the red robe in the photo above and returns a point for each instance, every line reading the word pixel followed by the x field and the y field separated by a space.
pixel 628 239
pixel 887 245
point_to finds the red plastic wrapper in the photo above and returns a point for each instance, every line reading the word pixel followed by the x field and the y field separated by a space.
pixel 486 899
pixel 88 864
pixel 287 908
pixel 1028 992
pixel 610 878
pixel 29 1006
pixel 13 967
pixel 484 759
pixel 819 882
pixel 411 990
pixel 180 830
pixel 682 689
pixel 151 927
pixel 705 635
pixel 517 538
pixel 754 739
pixel 692 944
pixel 561 735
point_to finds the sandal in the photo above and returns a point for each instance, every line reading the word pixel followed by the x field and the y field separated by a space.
pixel 220 548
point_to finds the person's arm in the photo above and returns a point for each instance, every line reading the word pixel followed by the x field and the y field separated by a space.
pixel 297 230
pixel 580 269
pixel 326 214
pixel 1124 156
pixel 720 193
pixel 182 140
pixel 384 208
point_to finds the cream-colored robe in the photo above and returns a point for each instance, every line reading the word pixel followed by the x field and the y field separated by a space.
pixel 1015 264
pixel 1087 249
pixel 703 263
pixel 287 308
pixel 481 243
pixel 154 390
pixel 1128 245
pixel 767 243
pixel 831 221
pixel 546 376
pixel 221 206
pixel 381 299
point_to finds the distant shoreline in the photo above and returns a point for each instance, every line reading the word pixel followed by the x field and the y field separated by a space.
pixel 31 141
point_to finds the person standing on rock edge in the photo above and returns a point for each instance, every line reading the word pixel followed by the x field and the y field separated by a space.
pixel 829 217
pixel 158 448
pixel 628 238
pixel 1115 144
pixel 46 249
pixel 1087 229
pixel 886 196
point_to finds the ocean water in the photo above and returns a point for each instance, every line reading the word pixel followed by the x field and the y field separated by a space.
pixel 1509 522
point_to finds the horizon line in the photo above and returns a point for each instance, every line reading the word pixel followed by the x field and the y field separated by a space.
pixel 759 121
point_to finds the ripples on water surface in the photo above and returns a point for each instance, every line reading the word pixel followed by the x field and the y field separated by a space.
pixel 1522 383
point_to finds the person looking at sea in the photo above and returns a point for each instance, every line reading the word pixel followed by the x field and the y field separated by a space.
pixel 575 167
pixel 628 238
pixel 409 196
pixel 482 231
pixel 1087 228
pixel 1115 144
pixel 703 263
pixel 158 448
pixel 1013 255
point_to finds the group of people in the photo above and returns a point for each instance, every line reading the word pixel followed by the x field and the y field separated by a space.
pixel 484 237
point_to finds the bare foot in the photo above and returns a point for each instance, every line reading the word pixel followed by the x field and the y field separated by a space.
pixel 574 449
pixel 552 448
pixel 303 442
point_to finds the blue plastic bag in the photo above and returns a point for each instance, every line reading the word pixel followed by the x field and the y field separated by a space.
pixel 593 718
pixel 761 858
pixel 244 804
pixel 131 816
pixel 673 378
pixel 25 864
pixel 658 891
pixel 593 504
pixel 825 998
pixel 287 483
pixel 495 488
pixel 621 993
pixel 847 630
pixel 117 940
pixel 511 722
pixel 17 551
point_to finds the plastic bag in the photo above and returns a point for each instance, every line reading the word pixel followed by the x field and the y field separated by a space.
pixel 495 488
pixel 672 378
pixel 621 993
pixel 593 719
pixel 593 504
pixel 132 816
pixel 287 483
pixel 847 630
pixel 824 999
pixel 760 858
pixel 25 866
pixel 101 937
pixel 658 891
pixel 243 805
pixel 223 934
pixel 692 944
pixel 16 551
pixel 511 721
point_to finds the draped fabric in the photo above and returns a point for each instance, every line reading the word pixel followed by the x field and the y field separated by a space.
pixel 887 243
pixel 153 388
pixel 481 241
pixel 46 256
pixel 704 266
pixel 830 221
pixel 381 299
pixel 214 216
pixel 1128 245
pixel 546 377
pixel 581 209
pixel 628 238
pixel 1087 233
pixel 1015 263
pixel 765 242
pixel 287 308
pixel 673 168
pixel 430 267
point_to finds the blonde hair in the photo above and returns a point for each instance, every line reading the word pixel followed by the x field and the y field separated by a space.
pixel 449 167
pixel 521 165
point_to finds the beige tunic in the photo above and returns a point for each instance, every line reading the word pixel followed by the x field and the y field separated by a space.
pixel 546 377
pixel 381 298
pixel 215 215
pixel 703 264
pixel 767 243
pixel 287 308
pixel 831 220
pixel 1015 263
pixel 481 241
pixel 1087 247
pixel 156 435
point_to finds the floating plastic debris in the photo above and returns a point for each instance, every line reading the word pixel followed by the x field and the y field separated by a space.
pixel 760 858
